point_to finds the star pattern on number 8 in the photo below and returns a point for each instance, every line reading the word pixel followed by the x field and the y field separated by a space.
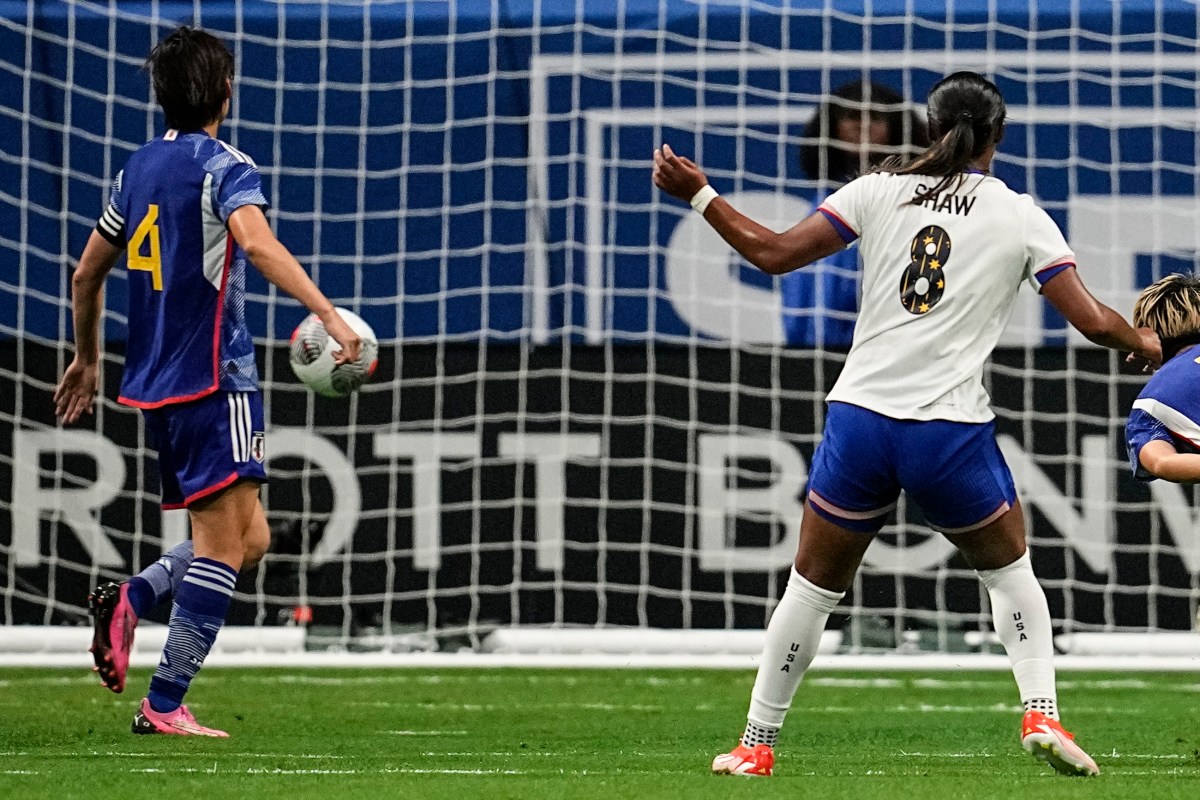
pixel 923 282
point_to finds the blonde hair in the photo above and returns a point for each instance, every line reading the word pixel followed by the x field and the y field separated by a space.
pixel 1171 308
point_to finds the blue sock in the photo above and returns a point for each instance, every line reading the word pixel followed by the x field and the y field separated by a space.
pixel 199 612
pixel 160 580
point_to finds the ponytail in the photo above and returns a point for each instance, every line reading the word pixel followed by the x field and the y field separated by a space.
pixel 966 114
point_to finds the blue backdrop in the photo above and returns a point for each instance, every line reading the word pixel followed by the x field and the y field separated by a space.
pixel 402 169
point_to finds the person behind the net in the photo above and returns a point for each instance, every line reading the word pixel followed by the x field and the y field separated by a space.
pixel 189 210
pixel 945 248
pixel 1163 430
pixel 859 125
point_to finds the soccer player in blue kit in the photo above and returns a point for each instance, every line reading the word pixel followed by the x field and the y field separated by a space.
pixel 945 248
pixel 1163 431
pixel 188 208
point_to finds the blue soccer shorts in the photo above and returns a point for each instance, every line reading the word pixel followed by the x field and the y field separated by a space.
pixel 207 445
pixel 953 471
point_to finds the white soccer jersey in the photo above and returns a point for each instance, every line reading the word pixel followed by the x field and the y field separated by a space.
pixel 939 283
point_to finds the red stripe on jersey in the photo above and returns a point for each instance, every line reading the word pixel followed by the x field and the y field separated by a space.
pixel 1065 261
pixel 216 382
pixel 221 310
pixel 1183 438
pixel 183 398
pixel 216 487
pixel 838 216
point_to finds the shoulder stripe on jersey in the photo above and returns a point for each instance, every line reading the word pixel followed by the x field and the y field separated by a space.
pixel 1176 421
pixel 238 154
pixel 1043 277
pixel 845 231
pixel 833 216
pixel 1064 261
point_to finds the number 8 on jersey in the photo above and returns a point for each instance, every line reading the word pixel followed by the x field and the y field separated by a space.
pixel 923 283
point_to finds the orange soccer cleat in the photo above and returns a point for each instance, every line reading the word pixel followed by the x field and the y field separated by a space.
pixel 748 762
pixel 1046 739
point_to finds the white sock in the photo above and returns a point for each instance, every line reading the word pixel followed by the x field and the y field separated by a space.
pixel 1022 621
pixel 793 636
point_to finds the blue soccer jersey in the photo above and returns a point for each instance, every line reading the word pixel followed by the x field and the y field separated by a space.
pixel 1168 409
pixel 187 275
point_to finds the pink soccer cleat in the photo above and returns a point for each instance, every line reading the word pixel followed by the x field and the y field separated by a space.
pixel 1046 740
pixel 748 762
pixel 113 622
pixel 179 722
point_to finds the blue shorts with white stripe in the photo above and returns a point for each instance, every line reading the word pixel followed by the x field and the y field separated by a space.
pixel 207 445
pixel 953 471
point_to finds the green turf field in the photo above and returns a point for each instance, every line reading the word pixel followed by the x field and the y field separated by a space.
pixel 359 734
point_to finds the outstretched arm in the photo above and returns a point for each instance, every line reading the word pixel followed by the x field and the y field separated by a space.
pixel 1096 321
pixel 249 227
pixel 1161 460
pixel 76 392
pixel 811 239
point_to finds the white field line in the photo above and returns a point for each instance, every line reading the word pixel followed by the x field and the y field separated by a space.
pixel 185 754
pixel 858 683
pixel 916 708
pixel 491 707
pixel 891 662
pixel 903 708
pixel 469 677
pixel 1163 756
pixel 1175 771
pixel 414 771
pixel 510 754
pixel 249 771
pixel 462 677
pixel 425 733
pixel 947 755
pixel 1017 754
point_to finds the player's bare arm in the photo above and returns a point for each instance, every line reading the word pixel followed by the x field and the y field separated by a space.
pixel 249 227
pixel 811 239
pixel 1161 460
pixel 1096 321
pixel 76 391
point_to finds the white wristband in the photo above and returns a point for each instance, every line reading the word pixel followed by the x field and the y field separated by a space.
pixel 702 198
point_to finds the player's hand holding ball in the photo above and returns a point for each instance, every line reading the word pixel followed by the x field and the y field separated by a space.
pixel 334 354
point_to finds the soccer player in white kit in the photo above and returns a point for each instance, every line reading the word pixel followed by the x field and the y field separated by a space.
pixel 945 247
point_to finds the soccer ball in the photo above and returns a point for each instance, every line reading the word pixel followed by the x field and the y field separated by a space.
pixel 312 352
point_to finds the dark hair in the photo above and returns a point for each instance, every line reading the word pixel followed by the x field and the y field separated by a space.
pixel 966 117
pixel 190 70
pixel 905 127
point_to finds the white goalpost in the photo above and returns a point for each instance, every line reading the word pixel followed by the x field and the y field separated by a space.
pixel 588 439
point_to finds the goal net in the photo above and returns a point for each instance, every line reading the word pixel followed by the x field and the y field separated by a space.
pixel 588 411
